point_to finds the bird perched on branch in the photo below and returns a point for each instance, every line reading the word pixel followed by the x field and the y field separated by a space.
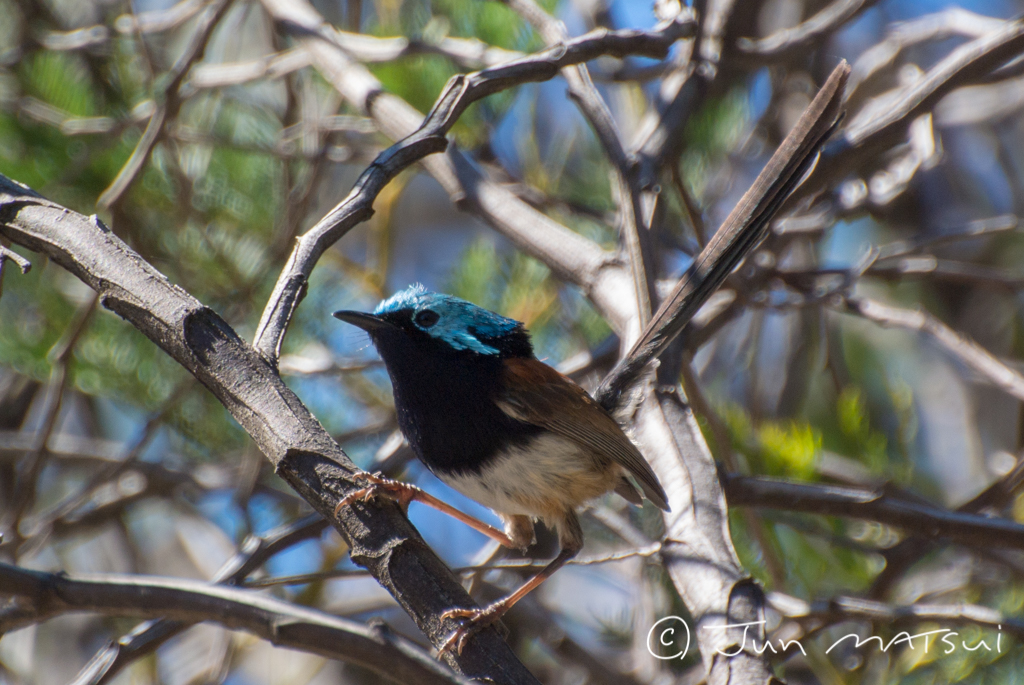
pixel 498 425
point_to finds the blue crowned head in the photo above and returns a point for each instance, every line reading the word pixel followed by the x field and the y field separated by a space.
pixel 420 314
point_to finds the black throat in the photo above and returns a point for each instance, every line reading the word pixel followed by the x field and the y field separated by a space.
pixel 444 399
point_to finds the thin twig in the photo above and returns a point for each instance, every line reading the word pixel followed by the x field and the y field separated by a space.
pixel 635 231
pixel 882 123
pixel 46 520
pixel 842 608
pixel 167 110
pixel 807 33
pixel 22 263
pixel 33 462
pixel 953 21
pixel 523 564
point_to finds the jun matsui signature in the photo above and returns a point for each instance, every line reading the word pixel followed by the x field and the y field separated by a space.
pixel 666 636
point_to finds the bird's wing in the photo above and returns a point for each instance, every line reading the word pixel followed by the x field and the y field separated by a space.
pixel 535 393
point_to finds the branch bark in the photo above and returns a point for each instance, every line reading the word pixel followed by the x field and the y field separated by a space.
pixel 45 595
pixel 419 138
pixel 380 538
pixel 922 519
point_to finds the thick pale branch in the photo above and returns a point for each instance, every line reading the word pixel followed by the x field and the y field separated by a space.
pixel 46 595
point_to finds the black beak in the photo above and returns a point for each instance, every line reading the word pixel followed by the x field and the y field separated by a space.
pixel 368 322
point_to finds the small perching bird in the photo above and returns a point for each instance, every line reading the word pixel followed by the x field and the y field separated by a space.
pixel 498 425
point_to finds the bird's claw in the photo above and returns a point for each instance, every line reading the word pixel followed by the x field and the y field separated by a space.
pixel 379 486
pixel 478 619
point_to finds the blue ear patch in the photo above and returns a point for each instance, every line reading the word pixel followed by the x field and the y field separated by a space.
pixel 459 322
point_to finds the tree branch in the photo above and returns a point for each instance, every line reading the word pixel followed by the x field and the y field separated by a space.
pixel 739 234
pixel 428 137
pixel 379 536
pixel 166 110
pixel 855 608
pixel 146 637
pixel 874 505
pixel 45 595
pixel 811 31
pixel 961 347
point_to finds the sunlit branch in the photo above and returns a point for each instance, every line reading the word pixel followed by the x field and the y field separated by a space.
pixel 41 596
pixel 962 348
pixel 874 504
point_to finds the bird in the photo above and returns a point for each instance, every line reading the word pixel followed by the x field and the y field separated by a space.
pixel 498 425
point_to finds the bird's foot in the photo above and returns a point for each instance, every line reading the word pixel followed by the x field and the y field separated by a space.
pixel 379 486
pixel 476 620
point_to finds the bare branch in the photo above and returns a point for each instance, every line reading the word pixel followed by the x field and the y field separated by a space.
pixel 903 555
pixel 45 595
pixel 227 74
pixel 953 21
pixel 428 137
pixel 379 537
pixel 35 459
pixel 146 637
pixel 855 608
pixel 19 261
pixel 884 121
pixel 741 231
pixel 634 230
pixel 874 505
pixel 153 21
pixel 165 110
pixel 807 33
pixel 958 345
pixel 526 564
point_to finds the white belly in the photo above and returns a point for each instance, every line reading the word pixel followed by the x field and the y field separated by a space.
pixel 541 479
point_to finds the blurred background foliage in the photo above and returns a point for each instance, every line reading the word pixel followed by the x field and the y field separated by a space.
pixel 796 391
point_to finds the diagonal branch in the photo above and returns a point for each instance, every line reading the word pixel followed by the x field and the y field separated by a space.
pixel 964 349
pixel 168 109
pixel 379 536
pixel 883 122
pixel 811 31
pixel 739 234
pixel 427 138
pixel 46 595
pixel 635 232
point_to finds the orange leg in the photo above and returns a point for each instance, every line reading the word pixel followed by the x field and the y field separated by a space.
pixel 570 537
pixel 481 618
pixel 404 493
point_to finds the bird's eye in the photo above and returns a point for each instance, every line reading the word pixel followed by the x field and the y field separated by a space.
pixel 426 318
